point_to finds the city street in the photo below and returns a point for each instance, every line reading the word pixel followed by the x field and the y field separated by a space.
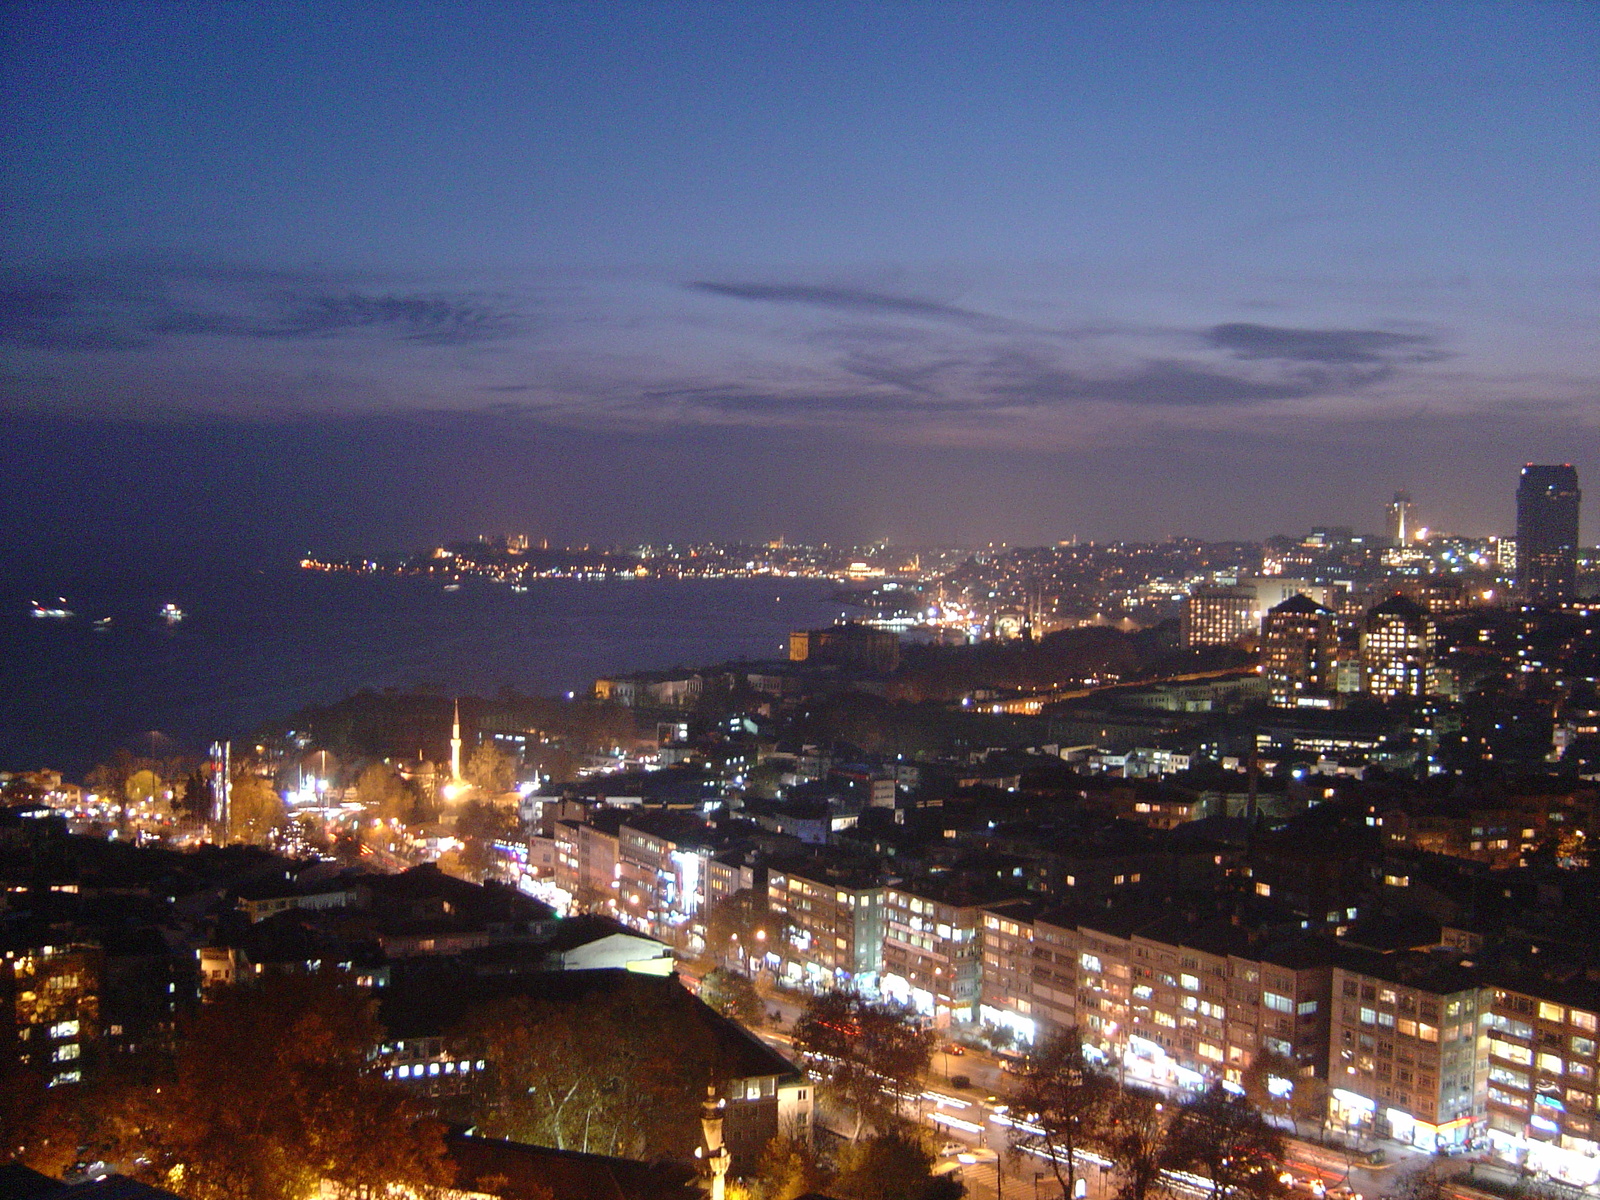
pixel 968 1115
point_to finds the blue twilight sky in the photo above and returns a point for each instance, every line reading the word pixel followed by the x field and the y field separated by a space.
pixel 346 275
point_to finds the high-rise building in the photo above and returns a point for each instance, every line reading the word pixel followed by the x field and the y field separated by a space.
pixel 1397 649
pixel 1299 643
pixel 1219 616
pixel 1547 533
pixel 1400 525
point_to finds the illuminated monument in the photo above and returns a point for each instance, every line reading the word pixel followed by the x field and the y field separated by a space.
pixel 455 746
pixel 1547 533
pixel 1401 529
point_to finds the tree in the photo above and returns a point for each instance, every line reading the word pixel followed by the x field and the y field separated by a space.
pixel 479 825
pixel 383 793
pixel 868 1055
pixel 1257 1081
pixel 786 1170
pixel 622 1074
pixel 144 786
pixel 1222 1137
pixel 489 769
pixel 740 926
pixel 1068 1102
pixel 1309 1102
pixel 733 995
pixel 1135 1142
pixel 273 1089
pixel 254 809
pixel 890 1166
pixel 195 801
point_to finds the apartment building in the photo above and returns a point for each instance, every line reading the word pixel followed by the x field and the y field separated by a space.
pixel 50 1006
pixel 1006 988
pixel 1174 1002
pixel 588 866
pixel 930 949
pixel 1407 1057
pixel 1541 1084
pixel 661 873
pixel 834 924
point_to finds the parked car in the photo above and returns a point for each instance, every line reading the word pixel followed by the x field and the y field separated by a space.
pixel 961 1081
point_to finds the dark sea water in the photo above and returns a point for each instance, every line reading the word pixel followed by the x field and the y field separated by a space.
pixel 256 646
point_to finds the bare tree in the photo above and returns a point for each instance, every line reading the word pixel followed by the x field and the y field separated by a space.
pixel 1135 1143
pixel 1222 1137
pixel 869 1055
pixel 1067 1105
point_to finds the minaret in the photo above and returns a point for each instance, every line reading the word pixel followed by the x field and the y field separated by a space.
pixel 714 1153
pixel 455 747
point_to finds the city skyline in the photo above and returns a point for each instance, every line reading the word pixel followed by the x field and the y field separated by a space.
pixel 624 273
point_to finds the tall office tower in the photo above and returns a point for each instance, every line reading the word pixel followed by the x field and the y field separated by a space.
pixel 1400 529
pixel 1397 649
pixel 1547 533
pixel 1299 644
pixel 1219 616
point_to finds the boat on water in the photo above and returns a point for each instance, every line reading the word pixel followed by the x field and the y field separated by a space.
pixel 172 614
pixel 49 612
pixel 452 587
pixel 103 623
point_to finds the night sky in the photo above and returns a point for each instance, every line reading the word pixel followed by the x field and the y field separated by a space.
pixel 347 276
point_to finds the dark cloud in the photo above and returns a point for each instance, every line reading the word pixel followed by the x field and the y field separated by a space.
pixel 1334 347
pixel 734 400
pixel 436 319
pixel 844 299
pixel 52 316
pixel 136 306
pixel 1182 385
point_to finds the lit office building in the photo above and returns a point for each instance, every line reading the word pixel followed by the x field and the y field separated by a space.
pixel 1299 645
pixel 1397 649
pixel 1219 616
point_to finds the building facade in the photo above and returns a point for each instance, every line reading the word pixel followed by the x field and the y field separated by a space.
pixel 1300 644
pixel 1541 1078
pixel 1547 533
pixel 833 925
pixel 1407 1059
pixel 1219 616
pixel 1397 649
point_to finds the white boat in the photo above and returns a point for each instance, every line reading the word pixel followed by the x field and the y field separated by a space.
pixel 103 623
pixel 172 614
pixel 57 612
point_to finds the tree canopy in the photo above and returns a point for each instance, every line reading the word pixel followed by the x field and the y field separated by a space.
pixel 868 1055
pixel 740 925
pixel 1069 1103
pixel 891 1166
pixel 254 809
pixel 489 769
pixel 623 1075
pixel 1221 1136
pixel 383 793
pixel 271 1090
pixel 733 995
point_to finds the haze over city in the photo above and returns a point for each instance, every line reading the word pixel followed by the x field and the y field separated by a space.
pixel 289 277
